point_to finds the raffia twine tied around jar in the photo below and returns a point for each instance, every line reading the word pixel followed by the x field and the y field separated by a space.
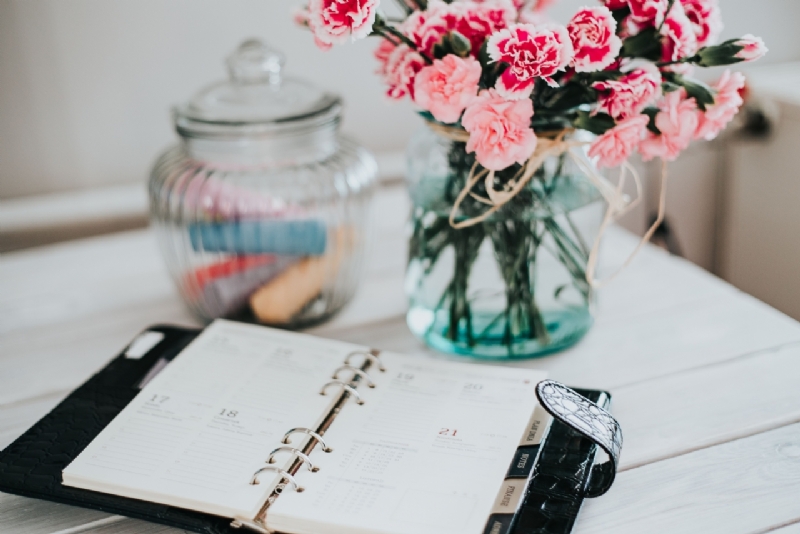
pixel 554 144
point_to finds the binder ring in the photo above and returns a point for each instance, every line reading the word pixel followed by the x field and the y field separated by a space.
pixel 347 387
pixel 303 430
pixel 254 481
pixel 368 356
pixel 356 372
pixel 306 460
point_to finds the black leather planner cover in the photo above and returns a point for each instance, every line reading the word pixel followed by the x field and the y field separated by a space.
pixel 32 465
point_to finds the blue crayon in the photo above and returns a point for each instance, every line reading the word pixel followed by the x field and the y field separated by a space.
pixel 298 237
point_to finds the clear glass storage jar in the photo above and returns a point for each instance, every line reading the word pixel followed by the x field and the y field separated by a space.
pixel 261 209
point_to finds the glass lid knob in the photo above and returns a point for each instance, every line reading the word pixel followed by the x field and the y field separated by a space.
pixel 255 62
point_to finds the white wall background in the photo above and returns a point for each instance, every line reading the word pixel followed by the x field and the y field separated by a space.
pixel 86 85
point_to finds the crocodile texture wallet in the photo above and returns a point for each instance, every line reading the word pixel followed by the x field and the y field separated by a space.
pixel 562 477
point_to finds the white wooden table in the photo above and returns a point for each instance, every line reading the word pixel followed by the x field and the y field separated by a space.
pixel 705 379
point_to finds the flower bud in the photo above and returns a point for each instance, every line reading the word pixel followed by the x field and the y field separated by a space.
pixel 747 48
pixel 753 48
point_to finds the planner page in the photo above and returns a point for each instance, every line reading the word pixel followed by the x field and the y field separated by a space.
pixel 426 453
pixel 196 433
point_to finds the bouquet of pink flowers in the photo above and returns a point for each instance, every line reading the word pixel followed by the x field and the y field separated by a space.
pixel 503 72
pixel 509 95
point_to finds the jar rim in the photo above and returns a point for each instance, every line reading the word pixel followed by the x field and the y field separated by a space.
pixel 193 127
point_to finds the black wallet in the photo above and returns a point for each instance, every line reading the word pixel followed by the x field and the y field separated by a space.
pixel 563 475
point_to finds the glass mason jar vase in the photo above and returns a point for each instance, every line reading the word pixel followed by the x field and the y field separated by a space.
pixel 513 285
pixel 261 209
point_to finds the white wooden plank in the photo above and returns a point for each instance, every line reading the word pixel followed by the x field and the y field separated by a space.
pixel 789 529
pixel 654 282
pixel 742 487
pixel 617 353
pixel 687 411
pixel 31 516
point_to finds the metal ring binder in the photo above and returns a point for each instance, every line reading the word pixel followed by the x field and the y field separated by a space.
pixel 356 372
pixel 254 481
pixel 350 389
pixel 308 431
pixel 368 356
pixel 360 372
pixel 298 453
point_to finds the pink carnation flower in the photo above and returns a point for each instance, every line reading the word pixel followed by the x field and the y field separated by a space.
pixel 615 4
pixel 499 130
pixel 650 12
pixel 594 40
pixel 530 52
pixel 446 87
pixel 615 146
pixel 337 21
pixel 679 37
pixel 400 69
pixel 705 18
pixel 677 122
pixel 754 48
pixel 727 102
pixel 629 95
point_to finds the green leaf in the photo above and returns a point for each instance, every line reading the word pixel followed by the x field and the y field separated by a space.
pixel 483 55
pixel 702 94
pixel 669 87
pixel 566 98
pixel 491 69
pixel 652 112
pixel 598 124
pixel 620 15
pixel 645 44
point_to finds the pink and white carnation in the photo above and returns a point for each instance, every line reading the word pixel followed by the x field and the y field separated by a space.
pixel 615 146
pixel 400 70
pixel 337 21
pixel 753 48
pixel 677 121
pixel 446 87
pixel 530 52
pixel 679 37
pixel 629 95
pixel 648 12
pixel 592 31
pixel 727 101
pixel 474 20
pixel 706 19
pixel 500 130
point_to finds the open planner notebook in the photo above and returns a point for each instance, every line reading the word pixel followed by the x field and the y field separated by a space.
pixel 286 432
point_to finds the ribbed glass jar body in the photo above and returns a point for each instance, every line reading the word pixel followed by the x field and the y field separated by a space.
pixel 270 230
pixel 513 285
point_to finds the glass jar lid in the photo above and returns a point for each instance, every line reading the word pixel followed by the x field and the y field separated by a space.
pixel 257 99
